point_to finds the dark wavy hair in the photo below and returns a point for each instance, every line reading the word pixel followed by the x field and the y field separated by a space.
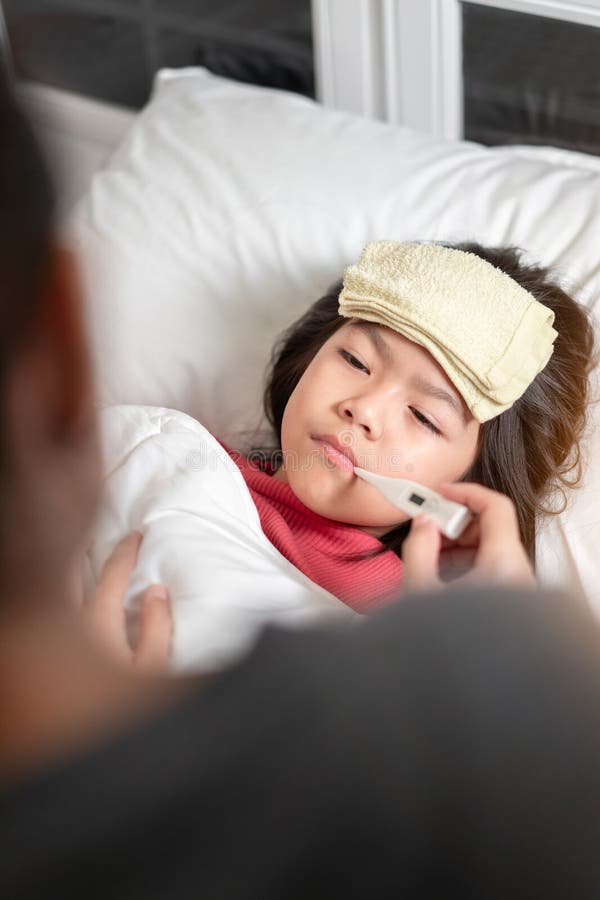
pixel 526 452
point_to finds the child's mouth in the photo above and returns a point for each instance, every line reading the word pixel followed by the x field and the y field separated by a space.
pixel 340 458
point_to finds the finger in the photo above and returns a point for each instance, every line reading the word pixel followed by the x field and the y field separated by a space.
pixel 501 556
pixel 470 537
pixel 496 512
pixel 420 555
pixel 467 538
pixel 106 609
pixel 77 573
pixel 156 630
pixel 455 562
pixel 117 569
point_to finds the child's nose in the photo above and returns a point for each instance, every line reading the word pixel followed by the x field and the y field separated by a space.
pixel 365 416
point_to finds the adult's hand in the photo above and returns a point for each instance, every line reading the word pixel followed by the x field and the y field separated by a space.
pixel 105 612
pixel 490 548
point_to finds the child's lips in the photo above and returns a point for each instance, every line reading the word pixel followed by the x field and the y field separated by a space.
pixel 341 456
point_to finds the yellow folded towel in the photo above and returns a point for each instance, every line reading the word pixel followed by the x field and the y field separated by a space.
pixel 489 334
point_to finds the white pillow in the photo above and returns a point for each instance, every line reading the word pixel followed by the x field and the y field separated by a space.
pixel 228 209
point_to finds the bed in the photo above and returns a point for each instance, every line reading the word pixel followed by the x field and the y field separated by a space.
pixel 228 209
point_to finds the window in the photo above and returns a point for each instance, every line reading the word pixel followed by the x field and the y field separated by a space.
pixel 110 49
pixel 530 79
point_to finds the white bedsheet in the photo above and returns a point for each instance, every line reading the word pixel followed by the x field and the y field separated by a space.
pixel 169 478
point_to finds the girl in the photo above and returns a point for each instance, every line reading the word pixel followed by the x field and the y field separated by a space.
pixel 429 362
pixel 348 390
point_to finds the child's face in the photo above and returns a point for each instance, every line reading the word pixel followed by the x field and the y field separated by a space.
pixel 370 390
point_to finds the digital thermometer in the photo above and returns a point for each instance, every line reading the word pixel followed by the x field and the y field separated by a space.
pixel 412 498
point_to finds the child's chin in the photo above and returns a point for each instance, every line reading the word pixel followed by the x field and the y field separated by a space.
pixel 319 491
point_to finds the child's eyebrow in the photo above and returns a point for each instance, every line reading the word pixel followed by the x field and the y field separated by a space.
pixel 420 384
pixel 432 390
pixel 378 342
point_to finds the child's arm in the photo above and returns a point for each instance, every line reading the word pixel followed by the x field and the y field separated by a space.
pixel 492 541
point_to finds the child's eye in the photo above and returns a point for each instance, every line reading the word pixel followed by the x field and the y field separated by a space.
pixel 353 361
pixel 419 415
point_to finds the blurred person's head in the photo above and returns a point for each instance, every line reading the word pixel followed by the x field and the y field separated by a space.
pixel 49 464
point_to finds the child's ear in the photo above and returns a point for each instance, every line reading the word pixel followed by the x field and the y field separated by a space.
pixel 52 377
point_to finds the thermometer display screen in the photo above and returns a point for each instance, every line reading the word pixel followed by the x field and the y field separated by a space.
pixel 414 498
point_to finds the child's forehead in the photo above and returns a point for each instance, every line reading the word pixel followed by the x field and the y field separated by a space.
pixel 382 337
pixel 388 343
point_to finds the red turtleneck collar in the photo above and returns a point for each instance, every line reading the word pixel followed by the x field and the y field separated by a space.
pixel 317 545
